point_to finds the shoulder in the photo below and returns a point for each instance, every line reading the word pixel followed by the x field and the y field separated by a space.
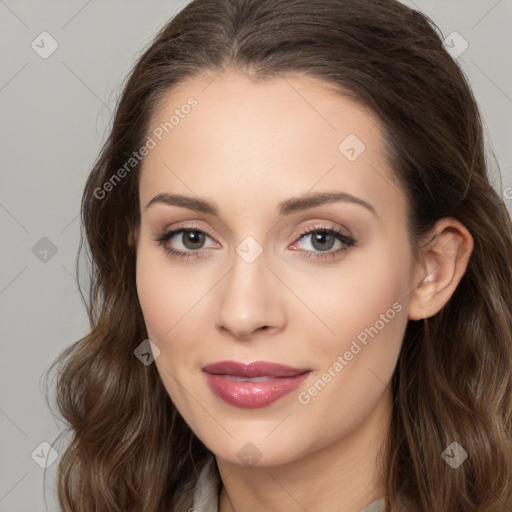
pixel 207 489
pixel 375 506
pixel 206 492
pixel 380 506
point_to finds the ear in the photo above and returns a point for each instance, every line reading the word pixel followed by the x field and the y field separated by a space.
pixel 441 264
pixel 133 233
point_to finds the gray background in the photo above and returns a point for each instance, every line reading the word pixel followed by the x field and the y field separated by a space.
pixel 55 115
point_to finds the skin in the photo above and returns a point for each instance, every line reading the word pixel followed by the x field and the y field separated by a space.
pixel 247 146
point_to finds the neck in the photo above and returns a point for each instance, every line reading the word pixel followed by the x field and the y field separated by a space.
pixel 345 475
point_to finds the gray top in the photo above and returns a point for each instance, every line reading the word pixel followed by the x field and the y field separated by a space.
pixel 206 495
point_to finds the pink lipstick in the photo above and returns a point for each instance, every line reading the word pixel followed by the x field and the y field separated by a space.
pixel 252 384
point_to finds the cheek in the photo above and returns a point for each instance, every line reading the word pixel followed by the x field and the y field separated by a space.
pixel 151 286
pixel 368 315
pixel 367 312
pixel 164 303
pixel 165 295
pixel 161 304
pixel 353 296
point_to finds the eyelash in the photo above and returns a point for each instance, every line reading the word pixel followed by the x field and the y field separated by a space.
pixel 346 240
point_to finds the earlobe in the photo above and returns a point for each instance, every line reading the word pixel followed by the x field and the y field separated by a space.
pixel 442 263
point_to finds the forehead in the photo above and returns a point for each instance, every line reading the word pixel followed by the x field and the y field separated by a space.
pixel 283 136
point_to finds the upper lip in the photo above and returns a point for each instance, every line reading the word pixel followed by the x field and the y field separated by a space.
pixel 254 369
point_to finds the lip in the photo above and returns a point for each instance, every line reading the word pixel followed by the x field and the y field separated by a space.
pixel 228 380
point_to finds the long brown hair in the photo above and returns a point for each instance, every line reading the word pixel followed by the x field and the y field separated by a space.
pixel 130 448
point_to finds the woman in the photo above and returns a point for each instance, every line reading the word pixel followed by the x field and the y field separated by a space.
pixel 293 206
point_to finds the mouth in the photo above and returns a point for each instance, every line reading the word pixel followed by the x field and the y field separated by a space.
pixel 235 378
pixel 252 385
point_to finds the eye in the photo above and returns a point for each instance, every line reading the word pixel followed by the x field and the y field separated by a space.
pixel 318 242
pixel 185 242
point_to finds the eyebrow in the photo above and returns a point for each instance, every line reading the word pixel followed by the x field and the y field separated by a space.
pixel 286 207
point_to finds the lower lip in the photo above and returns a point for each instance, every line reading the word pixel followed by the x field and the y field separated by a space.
pixel 253 394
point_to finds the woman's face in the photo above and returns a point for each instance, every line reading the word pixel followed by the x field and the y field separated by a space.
pixel 295 253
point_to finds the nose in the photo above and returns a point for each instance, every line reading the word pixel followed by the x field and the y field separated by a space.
pixel 249 301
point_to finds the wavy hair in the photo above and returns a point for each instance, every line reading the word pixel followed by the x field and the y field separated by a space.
pixel 130 449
